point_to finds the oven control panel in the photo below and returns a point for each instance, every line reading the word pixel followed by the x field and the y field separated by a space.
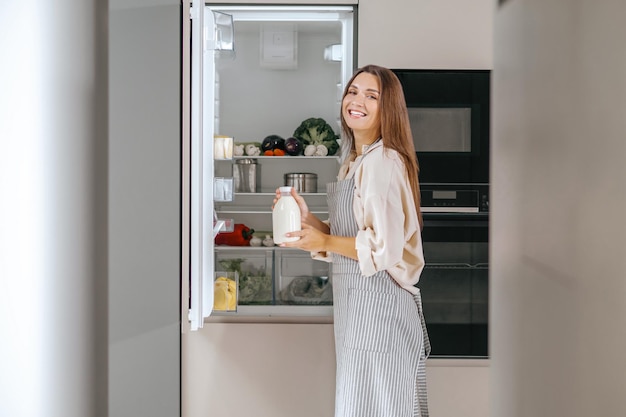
pixel 454 198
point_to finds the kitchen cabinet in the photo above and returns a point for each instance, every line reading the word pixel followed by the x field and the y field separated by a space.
pixel 426 34
pixel 275 282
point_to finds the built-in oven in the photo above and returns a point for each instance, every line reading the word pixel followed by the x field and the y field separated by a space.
pixel 455 279
pixel 449 116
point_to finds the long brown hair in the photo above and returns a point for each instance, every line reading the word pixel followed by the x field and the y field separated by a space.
pixel 395 128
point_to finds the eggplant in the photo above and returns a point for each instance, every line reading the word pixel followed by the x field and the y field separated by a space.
pixel 272 142
pixel 293 146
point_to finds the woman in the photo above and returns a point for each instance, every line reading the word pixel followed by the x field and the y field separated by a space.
pixel 373 238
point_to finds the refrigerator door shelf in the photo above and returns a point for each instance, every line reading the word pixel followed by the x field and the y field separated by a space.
pixel 223 37
pixel 223 189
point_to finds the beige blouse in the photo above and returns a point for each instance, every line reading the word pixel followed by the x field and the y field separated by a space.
pixel 389 236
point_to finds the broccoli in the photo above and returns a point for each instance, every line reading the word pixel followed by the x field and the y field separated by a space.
pixel 315 131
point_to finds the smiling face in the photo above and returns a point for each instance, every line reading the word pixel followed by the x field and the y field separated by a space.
pixel 360 109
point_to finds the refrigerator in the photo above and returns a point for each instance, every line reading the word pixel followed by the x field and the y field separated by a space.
pixel 254 71
pixel 249 72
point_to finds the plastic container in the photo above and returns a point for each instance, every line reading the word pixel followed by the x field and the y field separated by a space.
pixel 285 217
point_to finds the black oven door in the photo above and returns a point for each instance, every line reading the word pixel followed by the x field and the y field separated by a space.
pixel 454 283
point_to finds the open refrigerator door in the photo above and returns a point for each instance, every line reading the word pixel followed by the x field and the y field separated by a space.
pixel 211 32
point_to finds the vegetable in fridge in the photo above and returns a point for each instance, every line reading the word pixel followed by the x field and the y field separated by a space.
pixel 240 236
pixel 315 131
pixel 253 150
pixel 272 142
pixel 293 146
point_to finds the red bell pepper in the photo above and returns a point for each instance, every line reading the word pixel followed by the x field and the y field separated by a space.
pixel 240 236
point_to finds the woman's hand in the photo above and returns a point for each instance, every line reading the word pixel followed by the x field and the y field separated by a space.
pixel 311 239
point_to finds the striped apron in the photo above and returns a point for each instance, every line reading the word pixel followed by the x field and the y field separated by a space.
pixel 380 335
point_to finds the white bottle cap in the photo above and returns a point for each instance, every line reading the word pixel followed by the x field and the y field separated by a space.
pixel 285 189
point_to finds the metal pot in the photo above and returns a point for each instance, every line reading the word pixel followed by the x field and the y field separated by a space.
pixel 302 182
pixel 246 174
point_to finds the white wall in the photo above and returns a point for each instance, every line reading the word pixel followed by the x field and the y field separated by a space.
pixel 53 209
pixel 558 204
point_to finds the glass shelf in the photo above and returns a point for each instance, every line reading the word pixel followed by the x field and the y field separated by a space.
pixel 273 193
pixel 260 210
pixel 286 157
pixel 227 248
pixel 278 313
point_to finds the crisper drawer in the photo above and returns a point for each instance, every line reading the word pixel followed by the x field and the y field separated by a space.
pixel 300 280
pixel 276 283
pixel 255 270
pixel 455 300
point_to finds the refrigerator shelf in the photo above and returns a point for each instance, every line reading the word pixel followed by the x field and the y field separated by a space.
pixel 277 312
pixel 227 248
pixel 287 157
pixel 272 193
pixel 261 210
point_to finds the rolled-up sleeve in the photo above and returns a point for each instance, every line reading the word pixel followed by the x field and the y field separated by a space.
pixel 389 236
pixel 379 241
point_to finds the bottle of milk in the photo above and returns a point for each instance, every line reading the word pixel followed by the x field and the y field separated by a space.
pixel 285 217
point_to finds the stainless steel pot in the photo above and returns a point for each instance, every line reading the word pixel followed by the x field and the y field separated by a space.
pixel 303 182
pixel 246 174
